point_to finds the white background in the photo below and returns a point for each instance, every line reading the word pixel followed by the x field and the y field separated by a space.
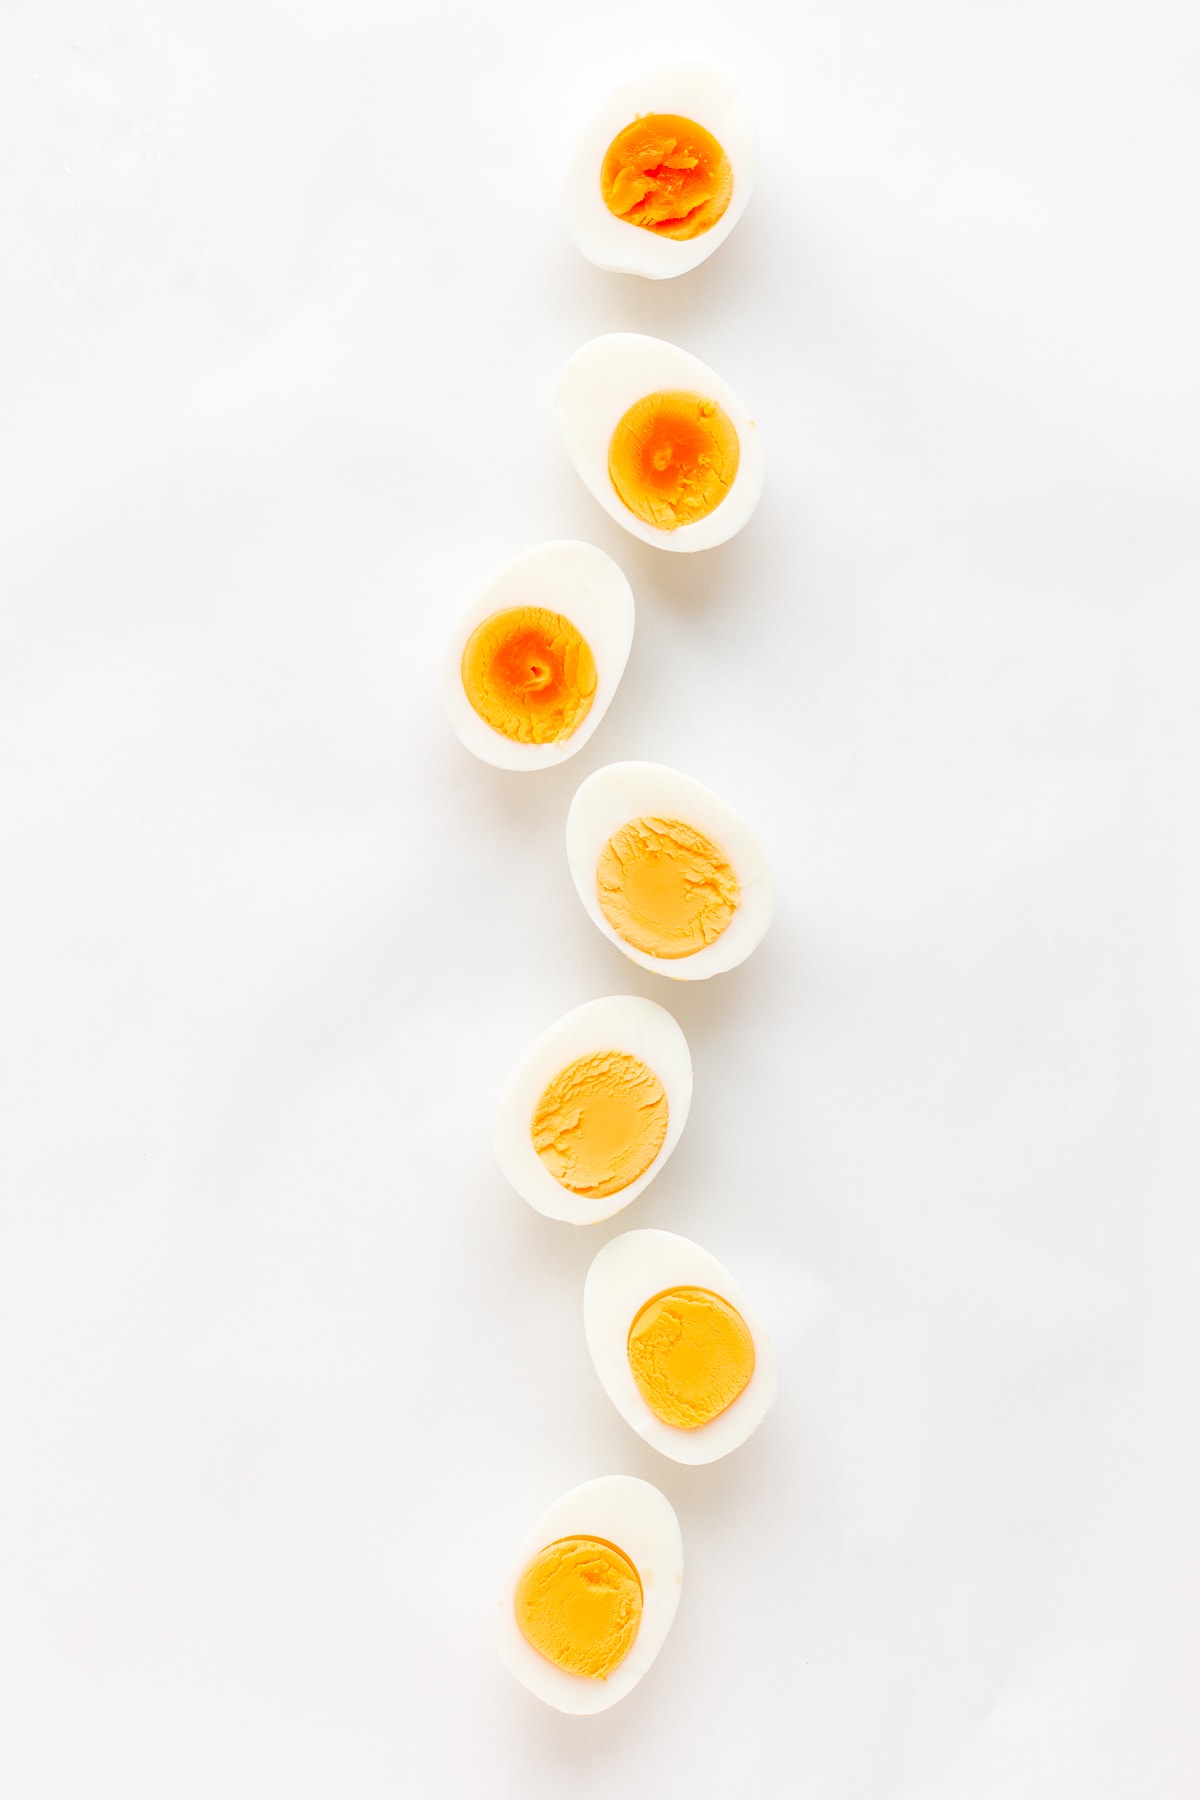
pixel 286 1369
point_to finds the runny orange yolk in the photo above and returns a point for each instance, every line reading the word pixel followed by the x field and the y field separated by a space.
pixel 600 1123
pixel 673 458
pixel 691 1354
pixel 579 1602
pixel 530 674
pixel 665 888
pixel 668 175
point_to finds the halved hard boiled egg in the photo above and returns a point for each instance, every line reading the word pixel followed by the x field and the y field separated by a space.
pixel 663 444
pixel 536 658
pixel 593 1594
pixel 677 1346
pixel 663 169
pixel 668 871
pixel 594 1109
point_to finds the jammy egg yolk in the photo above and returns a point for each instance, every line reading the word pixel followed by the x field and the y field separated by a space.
pixel 668 175
pixel 530 674
pixel 579 1603
pixel 600 1123
pixel 673 458
pixel 665 888
pixel 691 1354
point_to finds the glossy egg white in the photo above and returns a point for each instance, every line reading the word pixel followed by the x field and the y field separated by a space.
pixel 567 577
pixel 596 389
pixel 692 90
pixel 618 1022
pixel 619 792
pixel 629 1271
pixel 641 1523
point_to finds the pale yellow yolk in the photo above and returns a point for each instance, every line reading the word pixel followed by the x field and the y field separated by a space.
pixel 673 458
pixel 691 1354
pixel 530 674
pixel 600 1123
pixel 665 888
pixel 579 1602
pixel 668 175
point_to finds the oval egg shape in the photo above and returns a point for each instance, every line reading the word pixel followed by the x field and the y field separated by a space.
pixel 667 871
pixel 663 169
pixel 679 1349
pixel 666 447
pixel 592 1594
pixel 535 660
pixel 592 1112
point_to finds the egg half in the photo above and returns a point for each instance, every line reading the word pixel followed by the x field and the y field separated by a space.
pixel 535 660
pixel 678 1348
pixel 593 1593
pixel 663 169
pixel 666 447
pixel 595 1108
pixel 668 871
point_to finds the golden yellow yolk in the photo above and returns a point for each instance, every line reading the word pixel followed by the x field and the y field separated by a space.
pixel 691 1354
pixel 673 458
pixel 600 1123
pixel 579 1602
pixel 665 888
pixel 530 674
pixel 668 175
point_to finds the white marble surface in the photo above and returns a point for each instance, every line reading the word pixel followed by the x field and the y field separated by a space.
pixel 285 1370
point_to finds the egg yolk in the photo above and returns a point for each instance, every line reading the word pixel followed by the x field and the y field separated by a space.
pixel 530 674
pixel 600 1123
pixel 691 1354
pixel 668 175
pixel 579 1603
pixel 665 888
pixel 673 458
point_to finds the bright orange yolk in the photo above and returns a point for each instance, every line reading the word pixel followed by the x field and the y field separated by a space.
pixel 668 175
pixel 691 1354
pixel 530 674
pixel 601 1123
pixel 665 888
pixel 673 458
pixel 579 1602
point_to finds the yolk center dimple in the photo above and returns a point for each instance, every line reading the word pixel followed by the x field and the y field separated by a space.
pixel 600 1123
pixel 579 1603
pixel 665 888
pixel 668 175
pixel 529 674
pixel 691 1354
pixel 673 458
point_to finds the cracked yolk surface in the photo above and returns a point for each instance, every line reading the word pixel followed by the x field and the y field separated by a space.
pixel 600 1123
pixel 665 888
pixel 668 175
pixel 579 1603
pixel 673 458
pixel 691 1354
pixel 530 674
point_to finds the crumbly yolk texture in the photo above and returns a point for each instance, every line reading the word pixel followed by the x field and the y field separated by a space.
pixel 601 1123
pixel 530 674
pixel 691 1354
pixel 579 1602
pixel 673 458
pixel 668 175
pixel 665 888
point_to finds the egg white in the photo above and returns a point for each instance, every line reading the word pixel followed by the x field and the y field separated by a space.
pixel 641 1522
pixel 618 1022
pixel 629 1271
pixel 596 389
pixel 619 792
pixel 692 90
pixel 585 586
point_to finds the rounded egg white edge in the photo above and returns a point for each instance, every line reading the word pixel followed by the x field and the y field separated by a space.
pixel 616 1022
pixel 624 1275
pixel 640 1520
pixel 598 809
pixel 690 88
pixel 603 609
pixel 604 377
